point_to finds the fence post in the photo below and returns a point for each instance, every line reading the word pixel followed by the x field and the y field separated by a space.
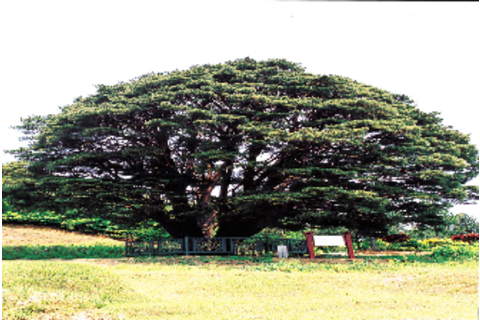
pixel 186 245
pixel 347 237
pixel 126 246
pixel 309 236
pixel 267 245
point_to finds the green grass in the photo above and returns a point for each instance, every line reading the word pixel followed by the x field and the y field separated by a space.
pixel 219 288
pixel 441 285
pixel 39 252
pixel 60 289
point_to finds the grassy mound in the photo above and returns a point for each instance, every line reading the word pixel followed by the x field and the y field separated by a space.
pixel 37 243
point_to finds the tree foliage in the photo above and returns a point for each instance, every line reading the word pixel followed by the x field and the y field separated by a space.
pixel 230 149
pixel 453 224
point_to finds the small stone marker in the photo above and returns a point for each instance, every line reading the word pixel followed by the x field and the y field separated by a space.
pixel 282 252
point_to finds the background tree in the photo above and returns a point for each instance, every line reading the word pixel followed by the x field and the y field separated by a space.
pixel 453 224
pixel 230 149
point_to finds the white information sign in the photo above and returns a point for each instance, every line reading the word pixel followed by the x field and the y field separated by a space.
pixel 328 241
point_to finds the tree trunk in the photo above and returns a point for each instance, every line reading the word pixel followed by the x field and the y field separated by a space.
pixel 239 228
pixel 187 226
pixel 208 224
pixel 207 219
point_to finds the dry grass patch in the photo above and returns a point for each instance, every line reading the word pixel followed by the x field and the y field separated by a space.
pixel 22 235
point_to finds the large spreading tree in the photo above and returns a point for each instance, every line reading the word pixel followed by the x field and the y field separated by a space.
pixel 230 149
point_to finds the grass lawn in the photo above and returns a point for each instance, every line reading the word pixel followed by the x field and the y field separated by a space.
pixel 249 288
pixel 203 289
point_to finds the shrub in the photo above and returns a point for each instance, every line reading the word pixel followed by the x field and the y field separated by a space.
pixel 396 238
pixel 6 206
pixel 363 245
pixel 409 245
pixel 466 237
pixel 381 245
pixel 415 244
pixel 145 230
pixel 435 242
pixel 458 251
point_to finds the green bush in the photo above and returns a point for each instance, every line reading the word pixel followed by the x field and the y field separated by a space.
pixel 457 251
pixel 415 245
pixel 6 206
pixel 362 245
pixel 435 242
pixel 381 245
pixel 33 217
pixel 71 220
pixel 396 238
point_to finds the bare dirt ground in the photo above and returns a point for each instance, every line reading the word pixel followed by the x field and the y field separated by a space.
pixel 21 235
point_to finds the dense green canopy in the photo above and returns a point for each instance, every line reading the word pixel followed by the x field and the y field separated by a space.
pixel 236 147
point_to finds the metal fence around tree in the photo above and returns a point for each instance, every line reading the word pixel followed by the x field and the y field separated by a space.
pixel 202 246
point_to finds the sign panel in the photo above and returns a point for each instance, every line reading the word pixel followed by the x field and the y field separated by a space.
pixel 328 241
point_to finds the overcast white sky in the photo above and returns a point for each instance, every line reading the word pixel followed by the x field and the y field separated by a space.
pixel 55 51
